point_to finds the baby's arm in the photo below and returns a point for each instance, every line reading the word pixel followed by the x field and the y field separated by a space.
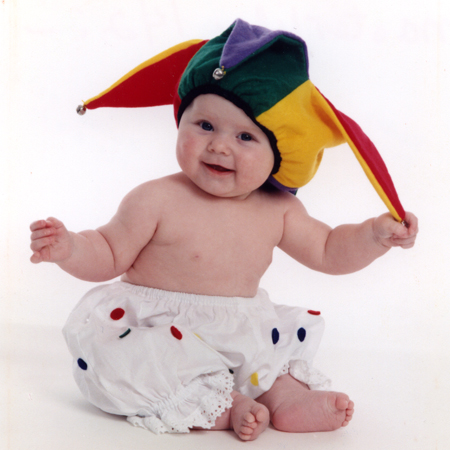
pixel 346 248
pixel 102 254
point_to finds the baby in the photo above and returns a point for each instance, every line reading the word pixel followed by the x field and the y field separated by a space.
pixel 187 339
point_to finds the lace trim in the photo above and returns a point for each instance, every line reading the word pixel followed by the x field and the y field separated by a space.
pixel 303 371
pixel 198 405
pixel 284 370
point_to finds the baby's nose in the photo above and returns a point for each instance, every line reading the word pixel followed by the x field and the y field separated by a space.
pixel 220 145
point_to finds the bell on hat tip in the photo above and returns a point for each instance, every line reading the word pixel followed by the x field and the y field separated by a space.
pixel 218 73
pixel 81 110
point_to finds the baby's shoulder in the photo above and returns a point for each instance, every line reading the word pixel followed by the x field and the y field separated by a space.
pixel 283 201
pixel 158 185
pixel 157 191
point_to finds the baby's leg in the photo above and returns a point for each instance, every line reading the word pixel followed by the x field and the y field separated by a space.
pixel 294 407
pixel 247 418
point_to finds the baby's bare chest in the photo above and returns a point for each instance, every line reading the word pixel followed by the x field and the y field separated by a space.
pixel 220 231
pixel 219 235
pixel 216 248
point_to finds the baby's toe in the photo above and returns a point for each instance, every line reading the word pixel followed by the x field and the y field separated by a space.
pixel 252 425
pixel 247 430
pixel 249 418
pixel 262 414
pixel 342 401
pixel 246 433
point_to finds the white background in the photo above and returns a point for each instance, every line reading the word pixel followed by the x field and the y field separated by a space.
pixel 383 63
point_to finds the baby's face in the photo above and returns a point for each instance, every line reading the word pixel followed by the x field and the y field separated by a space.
pixel 221 150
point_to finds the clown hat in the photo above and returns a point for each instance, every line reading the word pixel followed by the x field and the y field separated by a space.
pixel 265 73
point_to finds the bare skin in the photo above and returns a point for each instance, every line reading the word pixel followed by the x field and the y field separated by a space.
pixel 295 408
pixel 168 233
pixel 247 418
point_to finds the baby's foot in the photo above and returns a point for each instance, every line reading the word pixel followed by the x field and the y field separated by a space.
pixel 295 408
pixel 314 411
pixel 248 418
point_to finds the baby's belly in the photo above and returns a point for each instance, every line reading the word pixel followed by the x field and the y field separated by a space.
pixel 236 281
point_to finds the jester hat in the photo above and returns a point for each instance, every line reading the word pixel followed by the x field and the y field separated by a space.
pixel 265 73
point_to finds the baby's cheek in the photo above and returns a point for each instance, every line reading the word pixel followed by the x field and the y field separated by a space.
pixel 258 171
pixel 187 145
pixel 184 155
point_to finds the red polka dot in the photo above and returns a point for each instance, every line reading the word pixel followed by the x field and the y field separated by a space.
pixel 176 333
pixel 117 314
pixel 314 313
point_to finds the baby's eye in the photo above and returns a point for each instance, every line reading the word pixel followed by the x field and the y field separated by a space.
pixel 246 137
pixel 206 126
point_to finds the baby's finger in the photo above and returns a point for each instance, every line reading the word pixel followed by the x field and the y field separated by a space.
pixel 404 245
pixel 36 258
pixel 398 230
pixel 406 242
pixel 54 222
pixel 402 242
pixel 41 254
pixel 38 224
pixel 411 224
pixel 40 233
pixel 39 244
pixel 410 234
pixel 412 221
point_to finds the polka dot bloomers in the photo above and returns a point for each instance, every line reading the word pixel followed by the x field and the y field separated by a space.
pixel 169 361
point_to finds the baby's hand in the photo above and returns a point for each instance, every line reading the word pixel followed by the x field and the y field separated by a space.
pixel 390 233
pixel 50 241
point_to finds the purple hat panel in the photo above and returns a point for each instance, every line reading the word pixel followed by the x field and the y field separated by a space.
pixel 246 39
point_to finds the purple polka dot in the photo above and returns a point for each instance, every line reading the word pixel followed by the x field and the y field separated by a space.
pixel 82 364
pixel 301 334
pixel 275 336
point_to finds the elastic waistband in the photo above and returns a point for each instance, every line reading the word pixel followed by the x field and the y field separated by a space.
pixel 181 297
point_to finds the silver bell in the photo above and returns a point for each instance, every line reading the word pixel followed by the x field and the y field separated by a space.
pixel 218 74
pixel 81 110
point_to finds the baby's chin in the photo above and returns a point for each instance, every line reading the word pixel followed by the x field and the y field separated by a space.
pixel 223 185
pixel 220 192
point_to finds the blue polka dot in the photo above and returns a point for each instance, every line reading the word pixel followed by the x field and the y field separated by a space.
pixel 82 364
pixel 275 336
pixel 301 334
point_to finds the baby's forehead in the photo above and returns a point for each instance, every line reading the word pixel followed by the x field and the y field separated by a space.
pixel 216 106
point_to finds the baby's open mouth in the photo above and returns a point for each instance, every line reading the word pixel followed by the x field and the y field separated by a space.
pixel 218 168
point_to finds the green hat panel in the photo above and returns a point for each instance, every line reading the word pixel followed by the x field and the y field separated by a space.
pixel 261 80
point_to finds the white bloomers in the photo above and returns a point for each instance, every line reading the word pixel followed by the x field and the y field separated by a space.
pixel 169 361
